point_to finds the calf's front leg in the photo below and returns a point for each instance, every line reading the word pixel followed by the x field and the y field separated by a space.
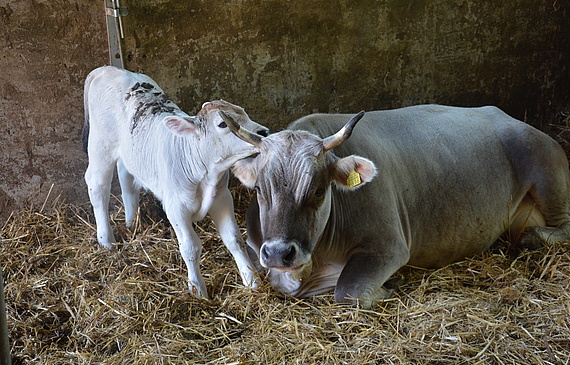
pixel 130 193
pixel 222 213
pixel 190 248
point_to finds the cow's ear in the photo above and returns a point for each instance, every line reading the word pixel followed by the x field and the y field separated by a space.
pixel 353 172
pixel 246 171
pixel 180 125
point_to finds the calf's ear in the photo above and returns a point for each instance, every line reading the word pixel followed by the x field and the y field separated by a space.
pixel 246 171
pixel 353 172
pixel 180 125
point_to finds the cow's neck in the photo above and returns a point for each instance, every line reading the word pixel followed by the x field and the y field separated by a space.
pixel 325 244
pixel 328 259
pixel 334 235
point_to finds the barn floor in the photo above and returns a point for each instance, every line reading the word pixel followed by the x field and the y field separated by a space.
pixel 70 301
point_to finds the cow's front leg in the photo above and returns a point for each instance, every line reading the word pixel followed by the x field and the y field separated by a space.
pixel 222 213
pixel 362 279
pixel 190 248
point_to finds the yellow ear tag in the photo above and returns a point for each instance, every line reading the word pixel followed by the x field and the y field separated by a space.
pixel 353 179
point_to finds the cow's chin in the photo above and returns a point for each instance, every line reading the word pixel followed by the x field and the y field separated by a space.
pixel 289 281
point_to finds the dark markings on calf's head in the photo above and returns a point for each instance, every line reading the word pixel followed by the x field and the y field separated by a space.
pixel 150 103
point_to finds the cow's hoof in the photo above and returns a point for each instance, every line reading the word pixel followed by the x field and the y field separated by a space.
pixel 534 238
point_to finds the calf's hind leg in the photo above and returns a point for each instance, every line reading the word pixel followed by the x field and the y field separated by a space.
pixel 129 191
pixel 98 178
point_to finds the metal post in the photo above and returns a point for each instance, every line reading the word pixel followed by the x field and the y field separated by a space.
pixel 4 340
pixel 114 12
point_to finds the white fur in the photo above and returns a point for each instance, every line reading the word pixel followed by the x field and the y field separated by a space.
pixel 182 159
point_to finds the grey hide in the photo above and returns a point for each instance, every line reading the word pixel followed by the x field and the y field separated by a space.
pixel 437 184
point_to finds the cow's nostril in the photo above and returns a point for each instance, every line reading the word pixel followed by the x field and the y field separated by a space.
pixel 289 256
pixel 263 253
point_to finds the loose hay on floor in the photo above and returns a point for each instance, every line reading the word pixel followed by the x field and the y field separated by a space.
pixel 70 301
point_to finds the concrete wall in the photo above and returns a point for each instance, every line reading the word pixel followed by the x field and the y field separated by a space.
pixel 278 59
pixel 46 50
pixel 284 59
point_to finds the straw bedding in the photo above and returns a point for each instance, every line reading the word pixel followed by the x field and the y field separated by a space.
pixel 70 301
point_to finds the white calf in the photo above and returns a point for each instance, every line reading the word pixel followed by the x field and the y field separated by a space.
pixel 130 123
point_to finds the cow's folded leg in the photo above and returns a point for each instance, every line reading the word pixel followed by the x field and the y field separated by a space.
pixel 536 237
pixel 549 197
pixel 362 279
pixel 222 213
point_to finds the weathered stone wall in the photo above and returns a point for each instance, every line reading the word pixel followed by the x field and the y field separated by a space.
pixel 278 59
pixel 47 47
pixel 284 59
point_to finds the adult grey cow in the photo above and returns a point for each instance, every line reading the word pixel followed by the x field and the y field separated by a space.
pixel 450 182
pixel 184 160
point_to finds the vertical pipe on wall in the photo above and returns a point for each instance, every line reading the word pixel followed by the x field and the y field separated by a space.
pixel 114 12
pixel 4 341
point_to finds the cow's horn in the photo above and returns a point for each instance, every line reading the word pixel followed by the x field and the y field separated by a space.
pixel 339 137
pixel 241 132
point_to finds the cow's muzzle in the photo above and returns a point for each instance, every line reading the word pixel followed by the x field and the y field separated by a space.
pixel 280 255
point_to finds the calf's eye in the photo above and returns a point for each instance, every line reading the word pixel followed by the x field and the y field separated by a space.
pixel 223 125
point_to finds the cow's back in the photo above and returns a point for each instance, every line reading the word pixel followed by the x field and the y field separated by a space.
pixel 449 179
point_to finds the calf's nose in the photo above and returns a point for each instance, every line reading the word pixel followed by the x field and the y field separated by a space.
pixel 264 132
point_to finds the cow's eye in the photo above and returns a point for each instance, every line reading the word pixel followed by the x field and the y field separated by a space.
pixel 319 192
pixel 223 125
